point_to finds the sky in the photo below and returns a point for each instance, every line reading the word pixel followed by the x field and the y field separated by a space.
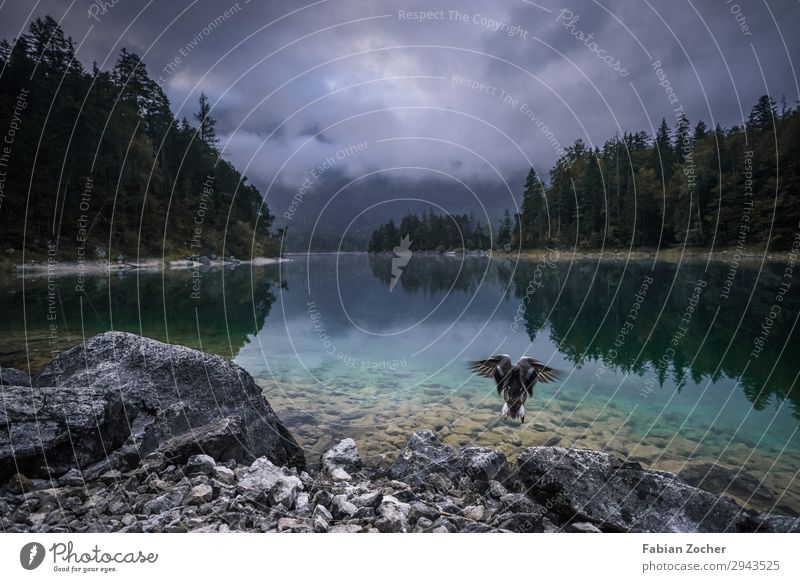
pixel 460 96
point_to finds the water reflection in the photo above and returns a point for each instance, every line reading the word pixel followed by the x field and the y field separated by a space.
pixel 214 310
pixel 686 325
pixel 653 369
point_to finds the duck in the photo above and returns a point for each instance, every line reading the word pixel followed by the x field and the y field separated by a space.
pixel 514 382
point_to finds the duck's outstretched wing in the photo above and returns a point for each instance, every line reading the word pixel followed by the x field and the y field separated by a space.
pixel 533 371
pixel 497 367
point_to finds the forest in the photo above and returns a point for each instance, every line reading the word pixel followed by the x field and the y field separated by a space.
pixel 732 187
pixel 432 232
pixel 93 163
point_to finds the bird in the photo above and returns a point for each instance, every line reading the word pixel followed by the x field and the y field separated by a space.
pixel 514 383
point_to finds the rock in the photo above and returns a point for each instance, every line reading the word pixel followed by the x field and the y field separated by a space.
pixel 583 527
pixel 443 525
pixel 341 507
pixel 112 476
pixel 521 522
pixel 199 494
pixel 200 464
pixel 341 460
pixel 474 512
pixel 321 519
pixel 393 516
pixel 14 377
pixel 497 490
pixel 728 481
pixel 166 501
pixel 346 528
pixel 552 490
pixel 777 523
pixel 320 524
pixel 286 523
pixel 301 502
pixel 480 463
pixel 265 483
pixel 617 495
pixel 72 478
pixel 476 528
pixel 418 510
pixel 371 499
pixel 321 497
pixel 424 457
pixel 123 397
pixel 519 503
pixel 364 513
pixel 322 511
pixel 19 483
pixel 224 475
pixel 339 474
pixel 423 523
pixel 550 527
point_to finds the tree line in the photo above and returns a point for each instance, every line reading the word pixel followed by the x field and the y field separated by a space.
pixel 97 162
pixel 701 186
pixel 432 232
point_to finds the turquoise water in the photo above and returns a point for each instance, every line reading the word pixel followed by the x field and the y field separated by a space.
pixel 663 363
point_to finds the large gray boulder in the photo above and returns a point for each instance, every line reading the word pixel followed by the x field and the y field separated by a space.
pixel 617 495
pixel 731 481
pixel 119 397
pixel 425 460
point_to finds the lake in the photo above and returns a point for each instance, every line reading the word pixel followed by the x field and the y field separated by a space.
pixel 687 367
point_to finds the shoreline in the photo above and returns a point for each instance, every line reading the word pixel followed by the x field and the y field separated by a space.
pixel 672 255
pixel 555 255
pixel 67 268
pixel 228 463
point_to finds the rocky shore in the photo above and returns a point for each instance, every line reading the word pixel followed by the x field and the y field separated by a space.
pixel 124 433
pixel 66 268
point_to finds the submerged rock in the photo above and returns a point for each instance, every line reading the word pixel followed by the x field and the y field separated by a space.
pixel 119 397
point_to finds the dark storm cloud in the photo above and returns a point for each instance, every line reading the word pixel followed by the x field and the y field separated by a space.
pixel 294 85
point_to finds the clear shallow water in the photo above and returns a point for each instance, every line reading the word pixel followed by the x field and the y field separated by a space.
pixel 672 384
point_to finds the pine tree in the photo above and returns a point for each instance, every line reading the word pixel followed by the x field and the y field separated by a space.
pixel 762 116
pixel 50 48
pixel 664 155
pixel 504 232
pixel 208 124
pixel 531 219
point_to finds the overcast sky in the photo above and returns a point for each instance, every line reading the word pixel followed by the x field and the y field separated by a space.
pixel 293 83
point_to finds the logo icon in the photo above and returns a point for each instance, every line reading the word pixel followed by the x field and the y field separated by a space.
pixel 31 555
pixel 402 254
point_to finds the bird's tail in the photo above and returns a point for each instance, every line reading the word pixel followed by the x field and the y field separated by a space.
pixel 515 412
